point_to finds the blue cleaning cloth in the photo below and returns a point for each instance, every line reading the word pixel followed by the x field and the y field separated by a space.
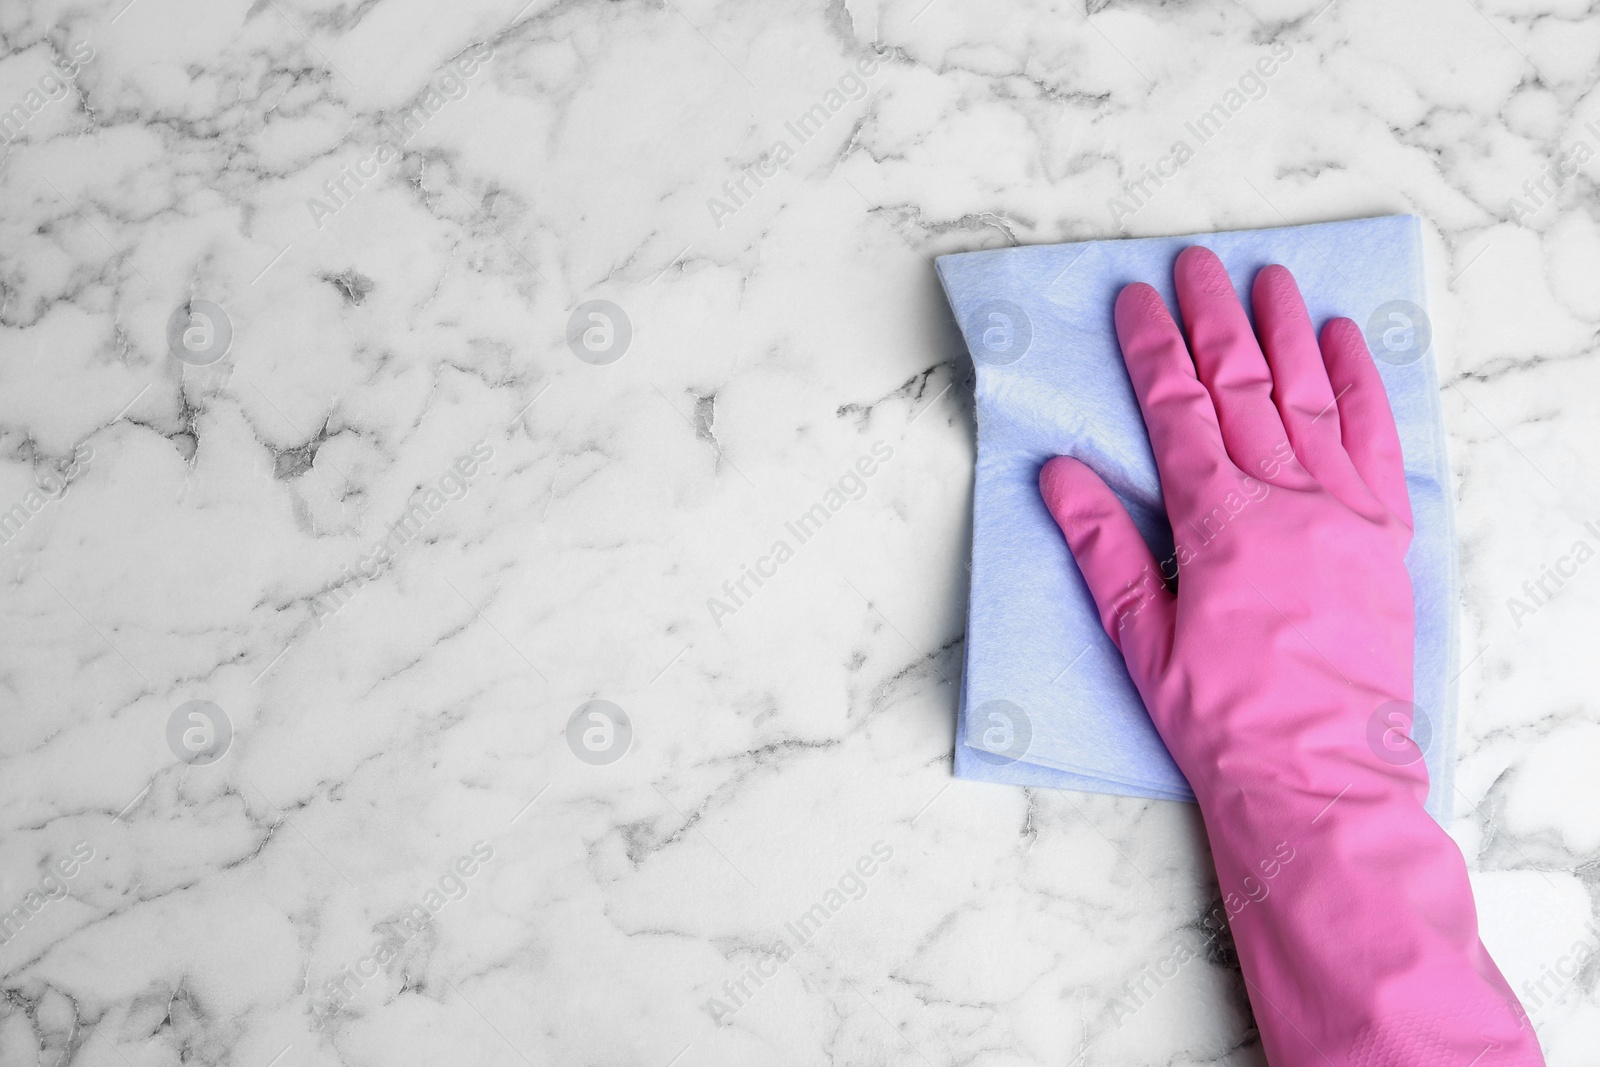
pixel 1046 699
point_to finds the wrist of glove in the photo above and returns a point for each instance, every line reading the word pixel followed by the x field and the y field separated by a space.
pixel 1277 668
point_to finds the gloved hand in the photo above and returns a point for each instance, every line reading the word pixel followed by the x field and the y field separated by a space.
pixel 1278 666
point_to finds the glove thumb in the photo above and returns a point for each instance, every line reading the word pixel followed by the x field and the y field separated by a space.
pixel 1136 608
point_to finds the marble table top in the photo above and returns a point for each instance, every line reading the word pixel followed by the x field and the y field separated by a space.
pixel 402 405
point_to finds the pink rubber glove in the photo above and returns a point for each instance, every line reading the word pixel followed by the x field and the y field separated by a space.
pixel 1275 671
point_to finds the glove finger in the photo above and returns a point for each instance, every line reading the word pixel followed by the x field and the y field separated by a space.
pixel 1366 425
pixel 1300 385
pixel 1178 412
pixel 1230 362
pixel 1135 606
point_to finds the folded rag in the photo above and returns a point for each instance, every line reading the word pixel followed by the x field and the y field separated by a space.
pixel 1046 699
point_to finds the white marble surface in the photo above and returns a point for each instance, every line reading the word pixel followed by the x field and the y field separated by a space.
pixel 386 726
